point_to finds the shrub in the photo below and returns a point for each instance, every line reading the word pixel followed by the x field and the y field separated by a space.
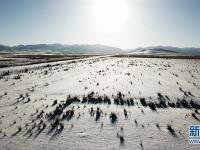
pixel 171 130
pixel 113 118
pixel 143 102
pixel 152 106
pixel 54 102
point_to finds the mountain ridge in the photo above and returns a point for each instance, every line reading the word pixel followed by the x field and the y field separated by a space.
pixel 99 49
pixel 76 48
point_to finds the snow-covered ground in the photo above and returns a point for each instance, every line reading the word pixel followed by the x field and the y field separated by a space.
pixel 68 105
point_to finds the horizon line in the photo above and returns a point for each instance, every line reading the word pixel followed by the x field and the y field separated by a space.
pixel 13 45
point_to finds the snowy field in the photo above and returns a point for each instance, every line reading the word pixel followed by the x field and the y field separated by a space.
pixel 101 103
pixel 28 58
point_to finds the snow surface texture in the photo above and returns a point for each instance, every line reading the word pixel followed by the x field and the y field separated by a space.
pixel 114 103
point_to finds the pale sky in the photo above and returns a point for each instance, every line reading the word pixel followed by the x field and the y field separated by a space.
pixel 120 23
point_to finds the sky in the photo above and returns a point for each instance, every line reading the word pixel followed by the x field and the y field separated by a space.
pixel 119 23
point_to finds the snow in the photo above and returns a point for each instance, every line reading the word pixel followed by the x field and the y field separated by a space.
pixel 134 77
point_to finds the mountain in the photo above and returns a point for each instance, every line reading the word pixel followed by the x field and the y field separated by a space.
pixel 62 48
pixel 165 50
pixel 5 48
pixel 100 49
